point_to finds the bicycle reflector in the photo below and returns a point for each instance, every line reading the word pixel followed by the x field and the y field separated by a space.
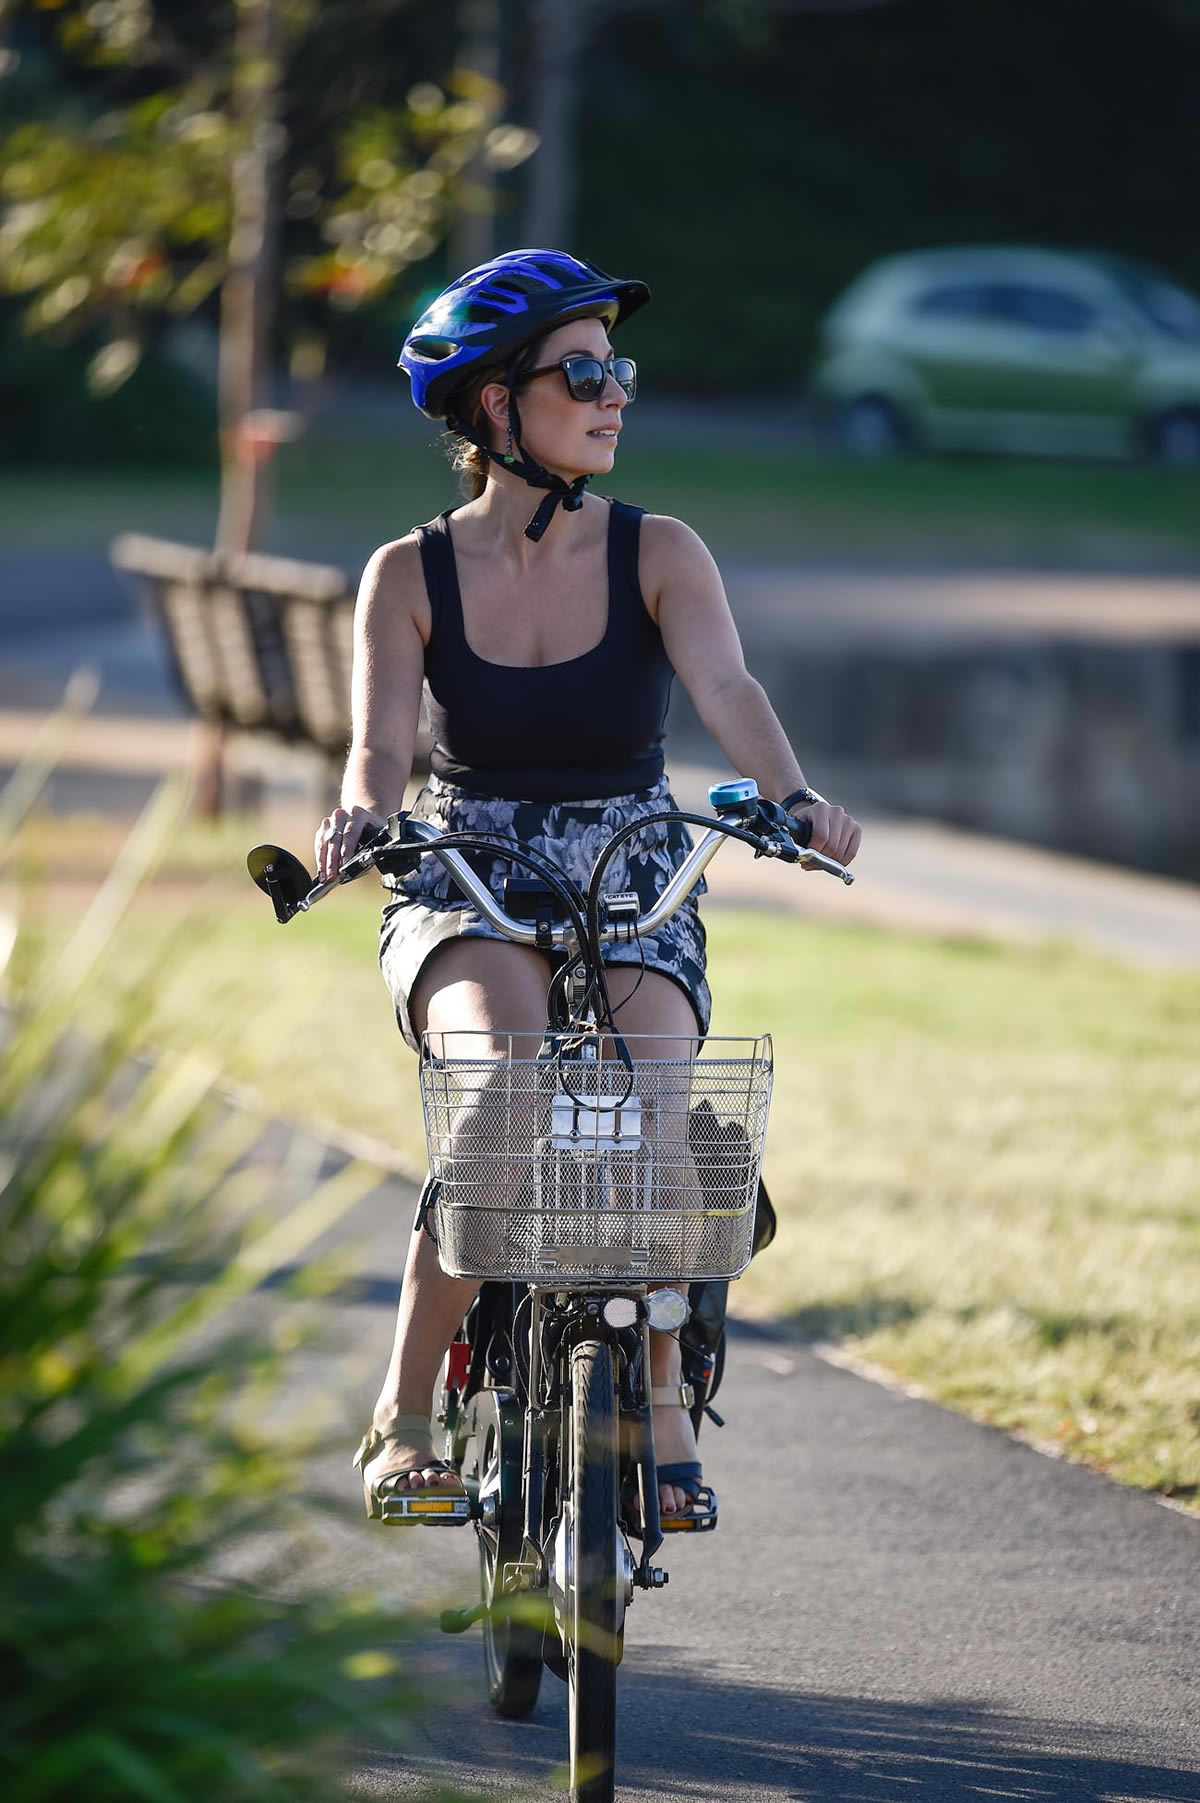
pixel 433 1509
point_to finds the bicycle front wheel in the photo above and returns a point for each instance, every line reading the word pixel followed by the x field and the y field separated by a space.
pixel 592 1574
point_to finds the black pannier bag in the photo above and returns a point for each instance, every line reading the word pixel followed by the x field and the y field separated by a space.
pixel 717 1149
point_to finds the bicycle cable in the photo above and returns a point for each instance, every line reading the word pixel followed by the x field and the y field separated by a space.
pixel 596 991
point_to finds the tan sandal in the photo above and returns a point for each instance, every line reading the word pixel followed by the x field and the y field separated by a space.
pixel 438 1507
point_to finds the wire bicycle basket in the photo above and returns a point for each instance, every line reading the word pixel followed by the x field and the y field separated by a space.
pixel 574 1168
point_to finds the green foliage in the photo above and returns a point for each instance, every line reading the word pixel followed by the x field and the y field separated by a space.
pixel 128 216
pixel 131 1464
pixel 119 188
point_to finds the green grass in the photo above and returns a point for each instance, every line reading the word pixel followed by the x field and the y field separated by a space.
pixel 339 493
pixel 769 505
pixel 985 1159
pixel 984 1156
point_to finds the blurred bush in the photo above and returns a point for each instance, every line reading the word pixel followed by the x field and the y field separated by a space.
pixel 133 1474
pixel 162 415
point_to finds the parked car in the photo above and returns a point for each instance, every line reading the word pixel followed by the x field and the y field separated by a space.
pixel 1009 349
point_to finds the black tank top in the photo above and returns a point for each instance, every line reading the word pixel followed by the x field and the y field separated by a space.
pixel 583 729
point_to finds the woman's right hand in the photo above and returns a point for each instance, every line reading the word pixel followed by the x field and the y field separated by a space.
pixel 337 836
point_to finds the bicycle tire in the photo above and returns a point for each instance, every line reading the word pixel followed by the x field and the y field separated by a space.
pixel 592 1577
pixel 512 1647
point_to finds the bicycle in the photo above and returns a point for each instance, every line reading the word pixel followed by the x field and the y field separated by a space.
pixel 573 1181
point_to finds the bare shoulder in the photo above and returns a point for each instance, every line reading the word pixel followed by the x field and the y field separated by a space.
pixel 392 590
pixel 672 556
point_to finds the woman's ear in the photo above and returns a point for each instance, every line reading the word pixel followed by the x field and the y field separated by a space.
pixel 494 401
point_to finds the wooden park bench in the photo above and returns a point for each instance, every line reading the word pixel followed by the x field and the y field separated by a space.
pixel 256 644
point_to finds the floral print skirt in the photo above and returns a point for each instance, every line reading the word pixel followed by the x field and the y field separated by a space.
pixel 428 908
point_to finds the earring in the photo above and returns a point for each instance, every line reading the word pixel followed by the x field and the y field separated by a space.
pixel 508 448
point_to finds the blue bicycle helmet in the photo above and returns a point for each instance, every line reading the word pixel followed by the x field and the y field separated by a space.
pixel 492 311
pixel 486 316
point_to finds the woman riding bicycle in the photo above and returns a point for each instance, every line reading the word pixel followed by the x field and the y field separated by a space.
pixel 548 646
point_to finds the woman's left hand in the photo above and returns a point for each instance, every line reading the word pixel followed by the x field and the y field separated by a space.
pixel 834 832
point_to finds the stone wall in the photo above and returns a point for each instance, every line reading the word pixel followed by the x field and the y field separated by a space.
pixel 1059 717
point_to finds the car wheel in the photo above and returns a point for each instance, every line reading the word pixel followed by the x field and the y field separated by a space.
pixel 871 429
pixel 1175 439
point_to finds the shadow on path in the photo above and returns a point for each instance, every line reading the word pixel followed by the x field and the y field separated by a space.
pixel 681 1735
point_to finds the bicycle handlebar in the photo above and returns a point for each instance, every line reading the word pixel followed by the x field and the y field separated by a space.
pixel 761 824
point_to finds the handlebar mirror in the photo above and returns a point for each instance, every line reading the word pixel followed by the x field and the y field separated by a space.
pixel 281 876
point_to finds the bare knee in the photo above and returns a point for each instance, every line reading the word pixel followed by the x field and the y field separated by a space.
pixel 480 986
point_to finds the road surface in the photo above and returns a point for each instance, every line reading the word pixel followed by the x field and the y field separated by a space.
pixel 898 1603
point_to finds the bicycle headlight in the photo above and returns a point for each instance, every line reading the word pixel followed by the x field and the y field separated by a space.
pixel 620 1311
pixel 667 1309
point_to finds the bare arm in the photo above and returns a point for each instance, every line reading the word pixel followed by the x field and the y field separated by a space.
pixel 683 587
pixel 391 628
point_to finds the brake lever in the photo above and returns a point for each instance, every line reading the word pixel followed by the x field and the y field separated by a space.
pixel 829 865
pixel 362 858
pixel 788 839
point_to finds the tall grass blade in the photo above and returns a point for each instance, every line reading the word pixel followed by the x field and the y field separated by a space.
pixel 41 757
pixel 144 846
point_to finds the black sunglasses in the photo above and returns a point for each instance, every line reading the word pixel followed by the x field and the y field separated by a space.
pixel 586 376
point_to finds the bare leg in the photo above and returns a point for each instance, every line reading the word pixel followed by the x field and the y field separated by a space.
pixel 471 984
pixel 431 1307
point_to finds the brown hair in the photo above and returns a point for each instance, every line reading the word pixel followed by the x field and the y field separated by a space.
pixel 466 404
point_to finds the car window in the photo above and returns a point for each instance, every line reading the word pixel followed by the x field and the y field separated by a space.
pixel 954 300
pixel 1043 308
pixel 1171 310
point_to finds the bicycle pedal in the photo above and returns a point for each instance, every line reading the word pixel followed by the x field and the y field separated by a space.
pixel 701 1520
pixel 431 1511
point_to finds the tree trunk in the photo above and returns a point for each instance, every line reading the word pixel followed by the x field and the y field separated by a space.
pixel 247 313
pixel 559 34
pixel 248 292
pixel 472 233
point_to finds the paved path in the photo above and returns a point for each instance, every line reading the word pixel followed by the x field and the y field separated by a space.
pixel 887 607
pixel 901 1604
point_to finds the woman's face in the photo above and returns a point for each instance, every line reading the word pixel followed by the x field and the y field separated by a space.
pixel 571 438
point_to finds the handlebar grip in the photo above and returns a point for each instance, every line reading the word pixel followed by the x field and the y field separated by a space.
pixel 800 834
pixel 779 820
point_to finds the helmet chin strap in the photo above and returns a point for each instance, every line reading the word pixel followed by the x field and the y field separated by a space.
pixel 568 495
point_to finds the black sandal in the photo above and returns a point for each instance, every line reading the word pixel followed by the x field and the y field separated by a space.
pixel 684 1474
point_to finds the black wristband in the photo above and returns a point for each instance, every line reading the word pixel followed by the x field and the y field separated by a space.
pixel 803 795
